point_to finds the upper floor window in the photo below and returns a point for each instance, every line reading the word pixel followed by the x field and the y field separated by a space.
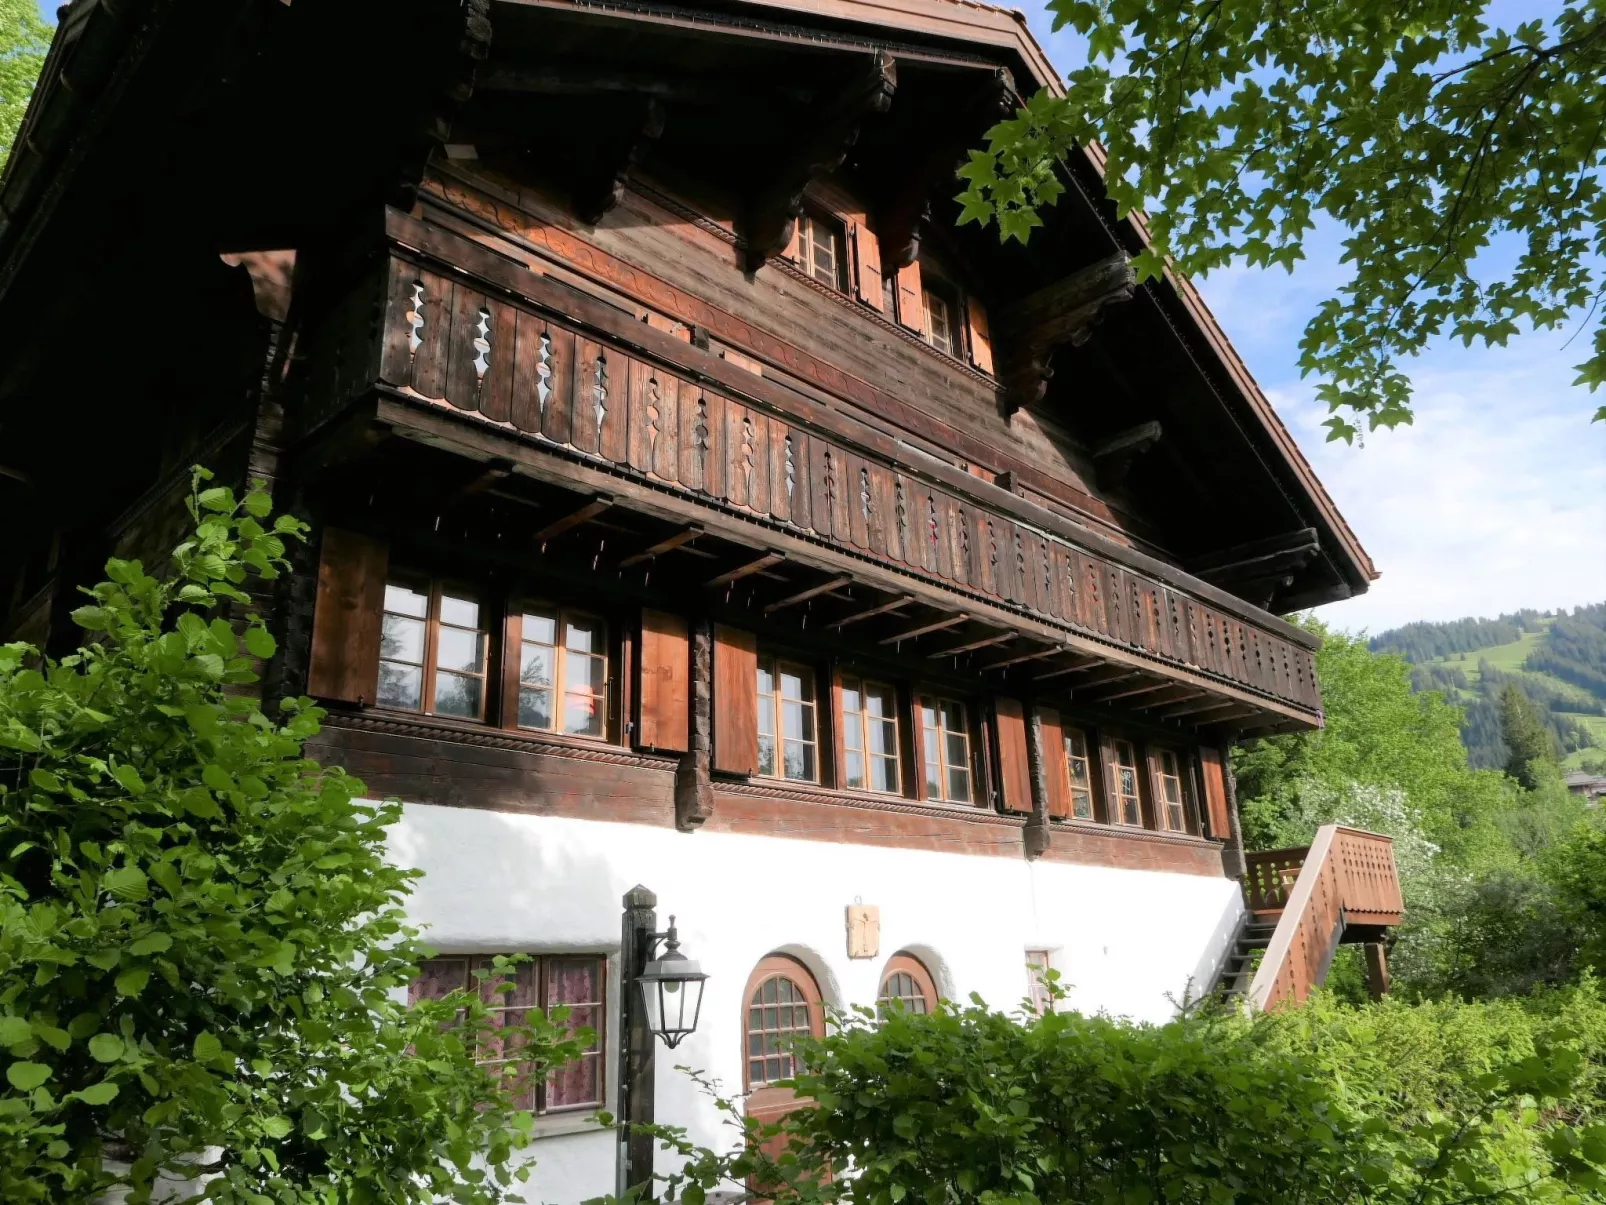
pixel 571 981
pixel 788 741
pixel 1168 784
pixel 432 650
pixel 945 749
pixel 1126 808
pixel 940 321
pixel 819 249
pixel 1081 773
pixel 869 736
pixel 563 672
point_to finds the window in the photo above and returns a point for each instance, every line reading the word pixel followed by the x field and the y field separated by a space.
pixel 563 672
pixel 819 249
pixel 783 1004
pixel 945 750
pixel 573 981
pixel 1038 964
pixel 906 984
pixel 787 741
pixel 432 651
pixel 869 737
pixel 1081 772
pixel 1168 775
pixel 1124 780
pixel 940 331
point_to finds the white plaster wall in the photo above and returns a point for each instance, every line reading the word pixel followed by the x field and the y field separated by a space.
pixel 1127 942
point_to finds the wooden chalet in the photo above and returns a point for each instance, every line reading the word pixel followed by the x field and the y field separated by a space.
pixel 676 465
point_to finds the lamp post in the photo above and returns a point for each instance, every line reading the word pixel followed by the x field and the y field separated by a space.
pixel 659 996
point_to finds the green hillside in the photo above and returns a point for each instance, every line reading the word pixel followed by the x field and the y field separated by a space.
pixel 1557 659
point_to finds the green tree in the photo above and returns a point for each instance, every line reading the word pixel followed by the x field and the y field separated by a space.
pixel 24 38
pixel 1418 129
pixel 202 948
pixel 1530 749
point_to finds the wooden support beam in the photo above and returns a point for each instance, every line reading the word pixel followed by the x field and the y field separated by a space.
pixel 1063 312
pixel 1115 673
pixel 815 143
pixel 791 600
pixel 886 608
pixel 936 625
pixel 682 537
pixel 1198 708
pixel 1231 714
pixel 1112 459
pixel 1036 655
pixel 969 645
pixel 1127 692
pixel 491 474
pixel 1063 671
pixel 574 519
pixel 1177 694
pixel 747 570
pixel 612 155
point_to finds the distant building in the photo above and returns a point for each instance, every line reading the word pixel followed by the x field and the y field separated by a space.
pixel 1590 786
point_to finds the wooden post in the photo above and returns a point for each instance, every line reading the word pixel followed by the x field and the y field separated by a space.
pixel 1377 969
pixel 1037 835
pixel 636 1044
pixel 1232 854
pixel 694 792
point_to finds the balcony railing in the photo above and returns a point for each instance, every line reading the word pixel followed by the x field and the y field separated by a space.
pixel 1344 886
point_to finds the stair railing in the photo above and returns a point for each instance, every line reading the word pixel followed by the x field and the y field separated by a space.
pixel 1347 877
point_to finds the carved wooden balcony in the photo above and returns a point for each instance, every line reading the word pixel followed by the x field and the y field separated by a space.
pixel 458 346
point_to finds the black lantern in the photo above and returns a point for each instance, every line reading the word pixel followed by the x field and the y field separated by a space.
pixel 672 992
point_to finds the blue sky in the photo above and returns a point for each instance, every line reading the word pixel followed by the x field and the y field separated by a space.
pixel 1495 498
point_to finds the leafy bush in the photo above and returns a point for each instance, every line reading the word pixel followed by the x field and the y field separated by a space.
pixel 201 943
pixel 1445 1104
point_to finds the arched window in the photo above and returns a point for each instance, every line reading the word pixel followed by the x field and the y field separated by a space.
pixel 905 983
pixel 783 1004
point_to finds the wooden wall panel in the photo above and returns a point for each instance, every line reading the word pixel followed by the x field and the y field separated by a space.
pixel 1215 792
pixel 346 617
pixel 396 351
pixel 1054 765
pixel 1014 765
pixel 463 359
pixel 735 700
pixel 496 390
pixel 430 359
pixel 556 404
pixel 664 696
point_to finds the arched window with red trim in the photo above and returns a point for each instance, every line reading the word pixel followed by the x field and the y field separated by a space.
pixel 906 984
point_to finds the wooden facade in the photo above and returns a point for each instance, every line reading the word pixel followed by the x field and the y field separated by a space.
pixel 651 396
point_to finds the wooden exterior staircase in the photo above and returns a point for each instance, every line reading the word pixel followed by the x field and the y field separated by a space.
pixel 1303 904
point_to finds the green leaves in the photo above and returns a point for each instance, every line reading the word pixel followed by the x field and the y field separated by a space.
pixel 1462 163
pixel 189 907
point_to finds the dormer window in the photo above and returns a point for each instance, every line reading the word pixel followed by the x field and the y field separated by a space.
pixel 819 249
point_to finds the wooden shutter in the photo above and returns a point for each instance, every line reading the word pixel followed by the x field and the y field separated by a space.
pixel 792 240
pixel 981 341
pixel 347 616
pixel 735 700
pixel 911 299
pixel 1215 790
pixel 1014 768
pixel 866 249
pixel 664 697
pixel 1054 767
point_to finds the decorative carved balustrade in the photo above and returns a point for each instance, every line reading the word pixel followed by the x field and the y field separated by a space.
pixel 1347 879
pixel 607 391
pixel 1269 876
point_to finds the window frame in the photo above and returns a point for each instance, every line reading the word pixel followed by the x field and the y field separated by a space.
pixel 1117 799
pixel 513 685
pixel 435 589
pixel 947 299
pixel 1039 960
pixel 1088 758
pixel 538 1101
pixel 1162 805
pixel 777 700
pixel 905 963
pixel 807 222
pixel 918 728
pixel 770 967
pixel 863 684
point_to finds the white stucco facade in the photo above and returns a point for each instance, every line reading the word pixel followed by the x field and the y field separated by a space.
pixel 1128 942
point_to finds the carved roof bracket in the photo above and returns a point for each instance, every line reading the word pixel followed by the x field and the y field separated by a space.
pixel 603 186
pixel 817 143
pixel 898 217
pixel 1064 312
